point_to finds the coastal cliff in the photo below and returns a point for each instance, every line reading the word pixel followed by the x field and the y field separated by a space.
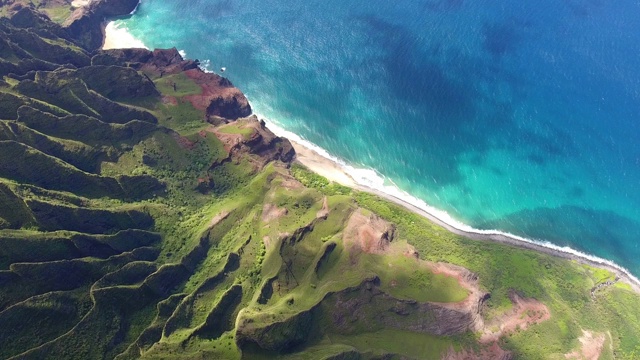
pixel 145 213
pixel 85 25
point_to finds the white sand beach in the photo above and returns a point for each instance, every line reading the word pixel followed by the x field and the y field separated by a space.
pixel 80 3
pixel 333 171
pixel 119 38
pixel 321 162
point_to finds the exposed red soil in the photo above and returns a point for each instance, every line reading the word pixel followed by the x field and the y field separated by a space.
pixel 271 212
pixel 216 219
pixel 290 183
pixel 368 233
pixel 371 234
pixel 491 352
pixel 184 142
pixel 170 100
pixel 591 346
pixel 324 212
pixel 266 240
pixel 214 89
pixel 525 312
pixel 229 141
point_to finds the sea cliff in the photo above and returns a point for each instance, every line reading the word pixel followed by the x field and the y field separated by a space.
pixel 146 213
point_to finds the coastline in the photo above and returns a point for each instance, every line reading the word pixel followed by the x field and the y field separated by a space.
pixel 321 162
pixel 334 171
pixel 119 38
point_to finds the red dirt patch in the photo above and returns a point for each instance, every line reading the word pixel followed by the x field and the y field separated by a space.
pixel 266 240
pixel 170 100
pixel 290 183
pixel 229 141
pixel 324 212
pixel 592 345
pixel 213 86
pixel 525 312
pixel 216 219
pixel 184 142
pixel 368 233
pixel 271 212
pixel 491 352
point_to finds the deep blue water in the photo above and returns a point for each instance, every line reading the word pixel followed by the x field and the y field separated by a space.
pixel 522 116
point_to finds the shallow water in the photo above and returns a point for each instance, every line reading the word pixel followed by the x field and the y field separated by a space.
pixel 519 116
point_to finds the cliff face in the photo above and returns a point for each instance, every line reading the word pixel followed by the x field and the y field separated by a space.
pixel 217 98
pixel 251 136
pixel 85 23
pixel 145 214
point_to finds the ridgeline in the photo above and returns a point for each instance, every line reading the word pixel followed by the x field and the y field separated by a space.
pixel 144 213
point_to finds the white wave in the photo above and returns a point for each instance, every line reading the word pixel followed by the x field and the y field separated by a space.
pixel 117 36
pixel 371 179
pixel 205 65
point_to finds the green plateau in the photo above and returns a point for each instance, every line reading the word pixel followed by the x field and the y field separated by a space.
pixel 145 213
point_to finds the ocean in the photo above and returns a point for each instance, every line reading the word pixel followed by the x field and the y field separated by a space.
pixel 519 116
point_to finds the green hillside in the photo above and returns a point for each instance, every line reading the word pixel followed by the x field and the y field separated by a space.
pixel 136 222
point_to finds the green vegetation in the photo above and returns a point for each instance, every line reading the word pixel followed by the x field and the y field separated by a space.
pixel 315 181
pixel 128 229
pixel 235 129
pixel 177 85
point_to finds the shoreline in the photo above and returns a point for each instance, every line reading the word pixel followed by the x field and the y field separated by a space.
pixel 333 171
pixel 119 38
pixel 321 162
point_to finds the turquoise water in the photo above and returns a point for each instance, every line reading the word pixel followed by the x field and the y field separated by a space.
pixel 521 116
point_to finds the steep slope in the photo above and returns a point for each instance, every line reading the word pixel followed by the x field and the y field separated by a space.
pixel 145 214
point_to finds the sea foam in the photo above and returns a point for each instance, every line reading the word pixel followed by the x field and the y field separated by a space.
pixel 117 36
pixel 371 179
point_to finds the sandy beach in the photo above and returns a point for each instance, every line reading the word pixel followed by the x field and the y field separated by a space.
pixel 80 3
pixel 119 38
pixel 335 172
pixel 320 163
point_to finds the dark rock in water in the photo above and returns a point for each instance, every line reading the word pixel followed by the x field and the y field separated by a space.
pixel 170 60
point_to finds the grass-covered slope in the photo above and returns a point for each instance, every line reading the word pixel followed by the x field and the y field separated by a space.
pixel 133 227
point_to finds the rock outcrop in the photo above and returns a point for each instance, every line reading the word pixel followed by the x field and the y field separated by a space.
pixel 276 336
pixel 160 61
pixel 367 304
pixel 85 23
pixel 258 140
pixel 368 233
pixel 218 99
